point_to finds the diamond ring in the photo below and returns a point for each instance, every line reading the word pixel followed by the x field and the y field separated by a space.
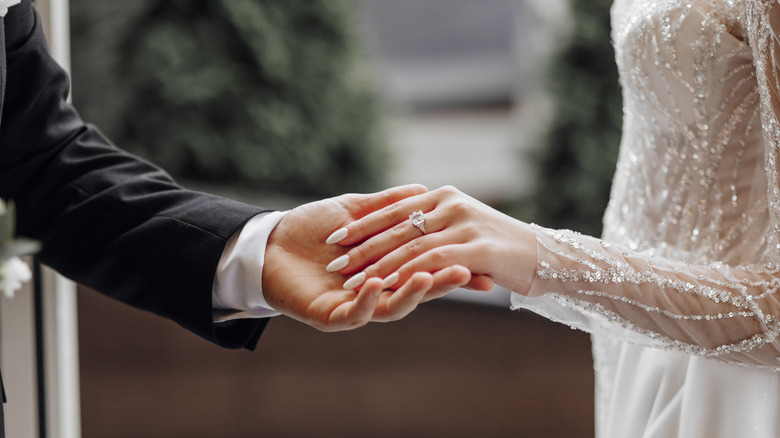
pixel 418 220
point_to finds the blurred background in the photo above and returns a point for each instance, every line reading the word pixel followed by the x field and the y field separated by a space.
pixel 515 102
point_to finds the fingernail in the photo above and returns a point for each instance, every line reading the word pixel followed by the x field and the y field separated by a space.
pixel 355 281
pixel 338 264
pixel 391 280
pixel 337 236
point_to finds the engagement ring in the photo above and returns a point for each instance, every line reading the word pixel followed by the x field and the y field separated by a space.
pixel 418 220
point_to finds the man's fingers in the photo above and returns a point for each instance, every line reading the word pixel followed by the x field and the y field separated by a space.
pixel 480 282
pixel 434 260
pixel 372 202
pixel 358 312
pixel 401 302
pixel 447 280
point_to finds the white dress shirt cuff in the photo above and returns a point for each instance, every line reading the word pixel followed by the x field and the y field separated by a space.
pixel 5 4
pixel 238 284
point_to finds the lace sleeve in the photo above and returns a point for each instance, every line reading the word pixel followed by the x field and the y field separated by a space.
pixel 710 310
pixel 727 312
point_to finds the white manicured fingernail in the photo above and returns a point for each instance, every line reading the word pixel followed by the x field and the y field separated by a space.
pixel 338 264
pixel 355 281
pixel 337 236
pixel 391 280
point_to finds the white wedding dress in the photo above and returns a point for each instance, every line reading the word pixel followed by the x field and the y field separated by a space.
pixel 682 295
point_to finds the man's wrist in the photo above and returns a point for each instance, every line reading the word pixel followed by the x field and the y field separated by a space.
pixel 238 283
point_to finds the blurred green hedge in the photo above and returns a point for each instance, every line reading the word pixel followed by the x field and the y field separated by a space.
pixel 268 95
pixel 577 156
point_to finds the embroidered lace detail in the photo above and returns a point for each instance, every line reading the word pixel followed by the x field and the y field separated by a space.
pixel 690 259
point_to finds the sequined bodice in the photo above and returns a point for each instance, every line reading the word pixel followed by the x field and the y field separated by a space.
pixel 691 249
pixel 689 266
pixel 691 180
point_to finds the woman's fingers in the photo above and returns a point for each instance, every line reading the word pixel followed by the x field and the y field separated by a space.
pixel 361 206
pixel 389 238
pixel 378 246
pixel 390 262
pixel 391 215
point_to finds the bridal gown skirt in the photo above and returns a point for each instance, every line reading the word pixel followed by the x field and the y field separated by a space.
pixel 651 393
pixel 682 296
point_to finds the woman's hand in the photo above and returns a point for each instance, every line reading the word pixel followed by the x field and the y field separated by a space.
pixel 296 284
pixel 459 231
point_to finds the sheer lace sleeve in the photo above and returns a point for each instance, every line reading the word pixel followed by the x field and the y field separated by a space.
pixel 711 310
pixel 724 310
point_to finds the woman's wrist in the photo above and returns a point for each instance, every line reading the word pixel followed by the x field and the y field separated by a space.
pixel 520 256
pixel 529 258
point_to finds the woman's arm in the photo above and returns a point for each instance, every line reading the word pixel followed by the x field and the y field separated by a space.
pixel 728 312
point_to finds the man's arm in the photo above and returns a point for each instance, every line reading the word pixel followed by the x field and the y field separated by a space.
pixel 107 219
pixel 119 225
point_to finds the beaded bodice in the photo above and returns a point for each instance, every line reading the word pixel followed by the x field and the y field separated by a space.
pixel 690 249
pixel 690 182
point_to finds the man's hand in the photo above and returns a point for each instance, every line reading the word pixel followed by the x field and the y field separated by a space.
pixel 296 283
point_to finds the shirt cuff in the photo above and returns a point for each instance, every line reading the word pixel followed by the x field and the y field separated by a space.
pixel 238 284
pixel 5 4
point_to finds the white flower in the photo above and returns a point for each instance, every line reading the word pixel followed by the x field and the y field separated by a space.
pixel 13 272
pixel 5 4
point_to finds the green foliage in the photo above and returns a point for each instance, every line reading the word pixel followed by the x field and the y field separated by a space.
pixel 261 94
pixel 576 160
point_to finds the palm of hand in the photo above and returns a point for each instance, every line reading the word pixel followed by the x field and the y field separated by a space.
pixel 295 281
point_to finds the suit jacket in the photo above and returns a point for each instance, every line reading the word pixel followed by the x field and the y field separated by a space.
pixel 106 219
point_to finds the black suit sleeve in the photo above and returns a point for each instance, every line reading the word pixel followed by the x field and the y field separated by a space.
pixel 107 219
